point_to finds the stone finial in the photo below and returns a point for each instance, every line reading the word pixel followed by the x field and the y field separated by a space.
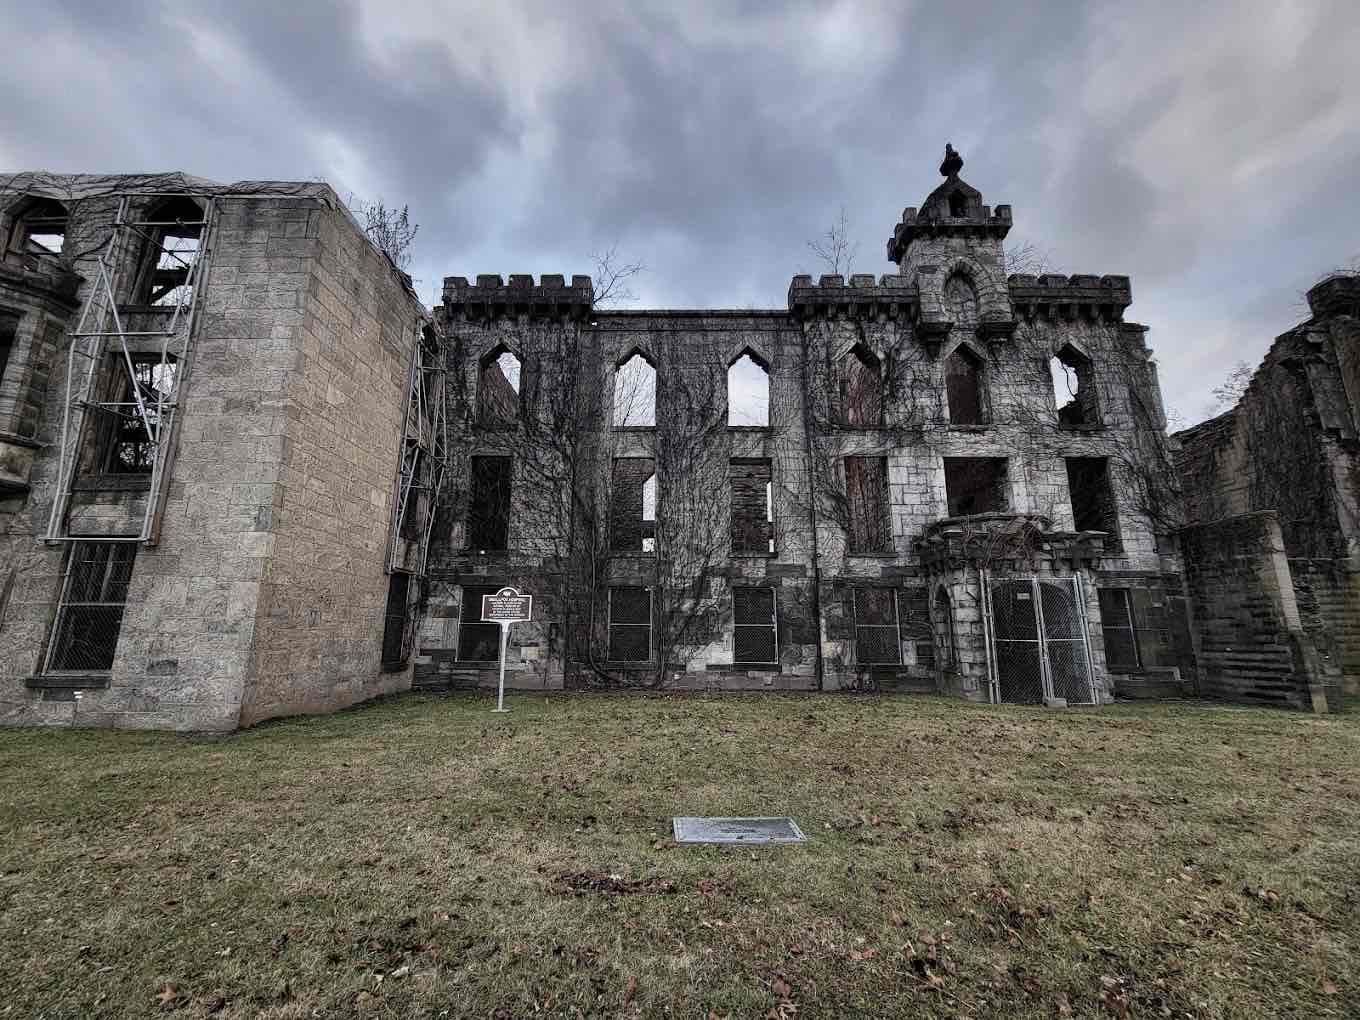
pixel 953 162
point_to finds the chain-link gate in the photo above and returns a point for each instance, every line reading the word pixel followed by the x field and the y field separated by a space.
pixel 1038 641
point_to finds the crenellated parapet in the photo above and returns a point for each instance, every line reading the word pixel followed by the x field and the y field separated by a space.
pixel 1071 297
pixel 934 221
pixel 891 297
pixel 491 297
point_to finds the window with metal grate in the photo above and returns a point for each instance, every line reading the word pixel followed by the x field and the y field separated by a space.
pixel 876 632
pixel 755 629
pixel 91 611
pixel 630 624
pixel 1116 625
pixel 915 627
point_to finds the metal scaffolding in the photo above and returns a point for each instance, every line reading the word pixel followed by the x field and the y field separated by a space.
pixel 102 346
pixel 424 455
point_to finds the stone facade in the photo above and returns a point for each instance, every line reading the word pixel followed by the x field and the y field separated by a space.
pixel 261 589
pixel 1290 448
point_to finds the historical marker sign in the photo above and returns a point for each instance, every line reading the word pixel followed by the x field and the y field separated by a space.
pixel 737 830
pixel 507 606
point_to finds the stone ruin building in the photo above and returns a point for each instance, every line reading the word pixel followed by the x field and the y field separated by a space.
pixel 244 473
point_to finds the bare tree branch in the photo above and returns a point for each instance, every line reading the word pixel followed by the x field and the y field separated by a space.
pixel 611 278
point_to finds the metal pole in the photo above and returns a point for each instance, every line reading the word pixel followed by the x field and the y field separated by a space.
pixel 500 689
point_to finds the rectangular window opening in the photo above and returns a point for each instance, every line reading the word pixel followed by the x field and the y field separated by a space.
pixel 877 639
pixel 477 641
pixel 90 613
pixel 130 448
pixel 395 651
pixel 9 331
pixel 488 525
pixel 755 630
pixel 1093 504
pixel 752 520
pixel 866 485
pixel 630 624
pixel 975 485
pixel 1116 625
pixel 632 505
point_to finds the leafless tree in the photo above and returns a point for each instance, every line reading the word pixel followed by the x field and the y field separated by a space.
pixel 834 249
pixel 612 276
pixel 1026 258
pixel 1230 390
pixel 390 229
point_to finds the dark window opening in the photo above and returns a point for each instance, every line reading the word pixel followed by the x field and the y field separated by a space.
pixel 630 624
pixel 752 521
pixel 91 611
pixel 488 525
pixel 1116 625
pixel 975 485
pixel 40 229
pixel 1093 505
pixel 498 389
pixel 958 204
pixel 477 641
pixel 748 392
pixel 173 231
pixel 9 331
pixel 862 389
pixel 876 634
pixel 1073 388
pixel 146 391
pixel 635 392
pixel 755 638
pixel 963 388
pixel 632 505
pixel 395 651
pixel 866 487
pixel 916 630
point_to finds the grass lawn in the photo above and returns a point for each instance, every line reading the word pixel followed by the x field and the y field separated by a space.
pixel 421 857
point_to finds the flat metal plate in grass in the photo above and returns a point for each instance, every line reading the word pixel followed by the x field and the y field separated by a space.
pixel 737 830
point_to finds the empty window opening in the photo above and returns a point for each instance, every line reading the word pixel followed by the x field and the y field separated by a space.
pixel 395 648
pixel 975 485
pixel 477 641
pixel 630 624
pixel 1073 389
pixel 173 231
pixel 755 631
pixel 748 392
pixel 963 388
pixel 752 522
pixel 876 632
pixel 488 525
pixel 632 505
pixel 1093 505
pixel 862 388
pixel 40 229
pixel 9 331
pixel 635 393
pixel 91 611
pixel 961 302
pixel 498 388
pixel 958 204
pixel 138 411
pixel 866 485
pixel 1116 624
pixel 944 622
pixel 914 608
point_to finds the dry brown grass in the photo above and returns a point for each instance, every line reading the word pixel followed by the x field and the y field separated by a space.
pixel 423 858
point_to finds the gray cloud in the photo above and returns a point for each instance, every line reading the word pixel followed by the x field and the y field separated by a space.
pixel 1210 153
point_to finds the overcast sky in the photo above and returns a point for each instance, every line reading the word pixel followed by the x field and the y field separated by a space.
pixel 1211 151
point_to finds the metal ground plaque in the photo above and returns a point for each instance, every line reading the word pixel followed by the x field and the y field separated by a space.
pixel 737 830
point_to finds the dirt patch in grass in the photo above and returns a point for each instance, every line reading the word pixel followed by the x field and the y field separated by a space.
pixel 423 858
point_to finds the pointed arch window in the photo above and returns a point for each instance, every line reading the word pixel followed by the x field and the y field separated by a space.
pixel 40 229
pixel 634 392
pixel 173 230
pixel 748 391
pixel 861 388
pixel 964 390
pixel 961 302
pixel 498 388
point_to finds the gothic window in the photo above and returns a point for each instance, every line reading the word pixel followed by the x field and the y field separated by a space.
pixel 488 524
pixel 40 229
pixel 632 521
pixel 131 449
pixel 755 637
pixel 173 230
pixel 630 624
pixel 635 392
pixel 866 485
pixel 961 302
pixel 90 614
pixel 963 387
pixel 975 485
pixel 498 388
pixel 1093 505
pixel 748 392
pixel 752 524
pixel 876 633
pixel 1073 388
pixel 861 388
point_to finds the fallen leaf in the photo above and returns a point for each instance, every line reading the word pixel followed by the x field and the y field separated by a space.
pixel 630 990
pixel 781 989
pixel 1329 987
pixel 863 954
pixel 169 997
pixel 1064 1004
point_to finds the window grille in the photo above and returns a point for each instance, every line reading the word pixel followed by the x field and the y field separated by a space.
pixel 630 624
pixel 915 625
pixel 90 614
pixel 477 641
pixel 1116 624
pixel 876 631
pixel 755 631
pixel 395 649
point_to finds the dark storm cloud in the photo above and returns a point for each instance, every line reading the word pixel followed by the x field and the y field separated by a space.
pixel 1209 152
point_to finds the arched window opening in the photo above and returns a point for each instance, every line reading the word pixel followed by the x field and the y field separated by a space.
pixel 634 393
pixel 945 658
pixel 862 388
pixel 963 388
pixel 1073 388
pixel 748 392
pixel 961 301
pixel 173 230
pixel 649 514
pixel 40 229
pixel 958 204
pixel 498 388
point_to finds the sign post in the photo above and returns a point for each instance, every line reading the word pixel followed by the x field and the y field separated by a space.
pixel 507 606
